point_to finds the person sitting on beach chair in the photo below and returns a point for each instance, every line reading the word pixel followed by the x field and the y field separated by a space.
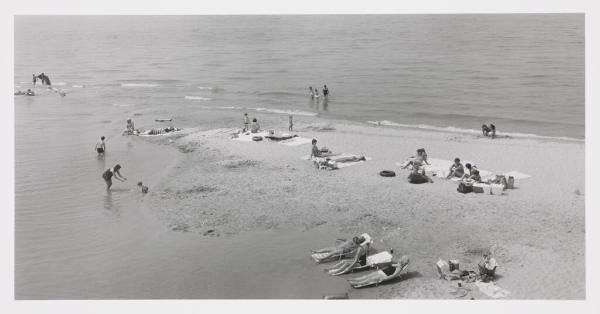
pixel 344 249
pixel 345 266
pixel 456 170
pixel 487 267
pixel 382 275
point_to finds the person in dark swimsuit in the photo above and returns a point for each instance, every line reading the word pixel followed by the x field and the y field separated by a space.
pixel 109 173
pixel 325 91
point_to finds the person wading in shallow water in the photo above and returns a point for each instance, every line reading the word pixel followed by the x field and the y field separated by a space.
pixel 109 173
pixel 101 146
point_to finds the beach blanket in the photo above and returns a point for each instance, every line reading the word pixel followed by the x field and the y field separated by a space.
pixel 491 289
pixel 296 141
pixel 379 258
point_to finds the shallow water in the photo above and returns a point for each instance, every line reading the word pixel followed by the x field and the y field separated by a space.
pixel 74 240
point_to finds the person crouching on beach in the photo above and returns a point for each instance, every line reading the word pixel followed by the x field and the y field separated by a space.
pixel 101 146
pixel 143 187
pixel 109 173
pixel 291 122
pixel 246 122
pixel 485 130
pixel 456 170
pixel 255 127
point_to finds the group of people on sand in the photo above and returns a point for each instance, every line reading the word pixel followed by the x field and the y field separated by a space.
pixel 253 127
pixel 353 255
pixel 314 92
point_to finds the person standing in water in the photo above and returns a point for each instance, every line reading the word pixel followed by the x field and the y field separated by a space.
pixel 312 93
pixel 291 122
pixel 109 173
pixel 34 80
pixel 325 91
pixel 101 146
pixel 316 92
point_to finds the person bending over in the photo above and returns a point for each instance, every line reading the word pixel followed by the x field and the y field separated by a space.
pixel 109 173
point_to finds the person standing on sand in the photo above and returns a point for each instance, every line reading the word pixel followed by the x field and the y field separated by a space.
pixel 101 146
pixel 291 122
pixel 246 121
pixel 109 173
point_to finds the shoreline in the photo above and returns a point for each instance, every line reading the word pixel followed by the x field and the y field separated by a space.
pixel 233 188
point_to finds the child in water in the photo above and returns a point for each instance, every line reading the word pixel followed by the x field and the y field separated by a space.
pixel 144 188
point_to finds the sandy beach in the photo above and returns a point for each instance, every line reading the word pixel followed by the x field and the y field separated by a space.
pixel 223 188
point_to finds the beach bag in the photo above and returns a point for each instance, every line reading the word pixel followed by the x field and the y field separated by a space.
pixel 463 188
pixel 107 175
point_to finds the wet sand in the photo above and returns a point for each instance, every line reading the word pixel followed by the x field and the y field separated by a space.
pixel 226 189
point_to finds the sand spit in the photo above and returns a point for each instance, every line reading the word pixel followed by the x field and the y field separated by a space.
pixel 224 187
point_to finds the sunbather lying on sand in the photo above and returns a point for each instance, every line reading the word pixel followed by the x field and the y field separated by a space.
pixel 159 131
pixel 345 266
pixel 385 274
pixel 344 249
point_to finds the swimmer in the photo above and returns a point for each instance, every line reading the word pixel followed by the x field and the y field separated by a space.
pixel 143 187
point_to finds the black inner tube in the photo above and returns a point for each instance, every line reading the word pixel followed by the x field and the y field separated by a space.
pixel 387 173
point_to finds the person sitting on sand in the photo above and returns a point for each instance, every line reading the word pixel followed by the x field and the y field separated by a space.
pixel 143 187
pixel 417 176
pixel 487 266
pixel 255 127
pixel 419 160
pixel 109 173
pixel 475 176
pixel 470 169
pixel 101 146
pixel 130 126
pixel 456 170
pixel 343 250
pixel 384 274
pixel 485 130
pixel 316 152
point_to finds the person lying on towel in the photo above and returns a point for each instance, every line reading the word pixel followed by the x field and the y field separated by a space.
pixel 345 266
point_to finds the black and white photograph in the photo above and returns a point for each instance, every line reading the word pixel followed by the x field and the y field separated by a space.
pixel 310 156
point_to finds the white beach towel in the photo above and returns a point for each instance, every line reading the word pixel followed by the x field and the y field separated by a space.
pixel 247 136
pixel 379 258
pixel 491 289
pixel 296 141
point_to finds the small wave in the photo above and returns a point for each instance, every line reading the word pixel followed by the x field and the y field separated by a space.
pixel 138 85
pixel 282 111
pixel 276 93
pixel 197 98
pixel 205 87
pixel 472 131
pixel 123 105
pixel 77 86
pixel 24 82
pixel 18 86
pixel 60 84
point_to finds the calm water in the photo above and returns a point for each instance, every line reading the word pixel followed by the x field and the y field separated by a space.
pixel 525 73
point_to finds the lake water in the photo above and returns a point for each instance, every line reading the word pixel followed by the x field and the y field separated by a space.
pixel 524 73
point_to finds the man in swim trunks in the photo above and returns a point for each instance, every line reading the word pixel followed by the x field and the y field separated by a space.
pixel 246 122
pixel 101 146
